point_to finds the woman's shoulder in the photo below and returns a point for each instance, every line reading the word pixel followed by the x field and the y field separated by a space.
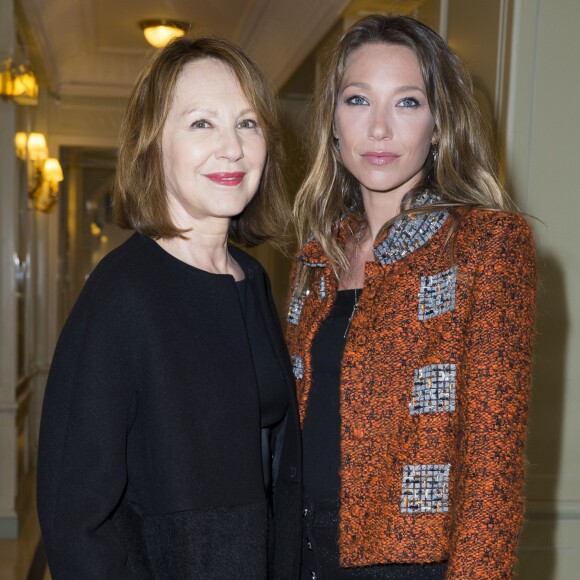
pixel 482 226
pixel 127 254
pixel 120 273
pixel 491 220
pixel 108 295
pixel 136 261
pixel 493 236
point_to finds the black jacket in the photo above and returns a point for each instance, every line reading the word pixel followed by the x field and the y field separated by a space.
pixel 149 455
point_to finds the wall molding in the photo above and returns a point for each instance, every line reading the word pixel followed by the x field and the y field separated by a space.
pixel 8 525
pixel 553 510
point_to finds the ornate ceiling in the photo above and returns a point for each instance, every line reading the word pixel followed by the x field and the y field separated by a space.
pixel 96 48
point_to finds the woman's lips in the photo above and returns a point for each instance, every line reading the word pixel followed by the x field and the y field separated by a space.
pixel 380 157
pixel 226 178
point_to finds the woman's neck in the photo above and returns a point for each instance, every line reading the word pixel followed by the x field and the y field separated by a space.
pixel 379 209
pixel 204 250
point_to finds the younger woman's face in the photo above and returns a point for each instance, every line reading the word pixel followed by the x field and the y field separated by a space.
pixel 382 119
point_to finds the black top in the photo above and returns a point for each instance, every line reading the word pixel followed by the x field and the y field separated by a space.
pixel 271 388
pixel 321 433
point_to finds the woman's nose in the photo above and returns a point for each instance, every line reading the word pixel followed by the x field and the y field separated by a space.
pixel 230 146
pixel 380 126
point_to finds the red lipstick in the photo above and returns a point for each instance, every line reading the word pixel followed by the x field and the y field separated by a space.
pixel 380 157
pixel 226 178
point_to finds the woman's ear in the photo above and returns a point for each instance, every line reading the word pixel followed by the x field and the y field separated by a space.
pixel 335 138
pixel 435 137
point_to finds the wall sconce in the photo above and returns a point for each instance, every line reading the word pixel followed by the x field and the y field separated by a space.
pixel 36 147
pixel 45 200
pixel 19 84
pixel 159 32
pixel 25 87
pixel 44 173
pixel 6 79
pixel 21 143
pixel 36 152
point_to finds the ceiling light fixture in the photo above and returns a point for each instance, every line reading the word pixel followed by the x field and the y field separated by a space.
pixel 159 32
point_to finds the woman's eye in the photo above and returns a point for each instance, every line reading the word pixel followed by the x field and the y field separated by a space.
pixel 356 100
pixel 201 124
pixel 248 124
pixel 408 102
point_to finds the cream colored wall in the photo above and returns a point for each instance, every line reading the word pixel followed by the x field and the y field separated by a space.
pixel 474 32
pixel 542 150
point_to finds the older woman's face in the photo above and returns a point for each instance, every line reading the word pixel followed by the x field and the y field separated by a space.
pixel 213 148
pixel 383 120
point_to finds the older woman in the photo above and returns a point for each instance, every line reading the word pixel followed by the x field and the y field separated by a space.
pixel 411 322
pixel 169 443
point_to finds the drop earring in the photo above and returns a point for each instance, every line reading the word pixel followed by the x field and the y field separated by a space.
pixel 435 152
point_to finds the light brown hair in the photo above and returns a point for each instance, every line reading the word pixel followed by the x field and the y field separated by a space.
pixel 462 174
pixel 140 201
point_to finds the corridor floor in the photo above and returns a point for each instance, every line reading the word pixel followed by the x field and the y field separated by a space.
pixel 23 558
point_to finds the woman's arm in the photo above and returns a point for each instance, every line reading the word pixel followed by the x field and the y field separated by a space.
pixel 493 402
pixel 82 449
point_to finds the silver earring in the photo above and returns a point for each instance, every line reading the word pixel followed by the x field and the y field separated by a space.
pixel 435 152
pixel 337 143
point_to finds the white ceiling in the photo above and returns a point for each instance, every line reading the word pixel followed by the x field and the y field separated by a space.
pixel 96 48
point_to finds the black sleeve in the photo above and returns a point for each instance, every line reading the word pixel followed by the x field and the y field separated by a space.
pixel 82 472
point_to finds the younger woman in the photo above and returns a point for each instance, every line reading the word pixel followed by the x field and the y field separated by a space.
pixel 411 321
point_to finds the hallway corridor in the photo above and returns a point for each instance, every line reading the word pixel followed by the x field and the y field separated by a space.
pixel 24 558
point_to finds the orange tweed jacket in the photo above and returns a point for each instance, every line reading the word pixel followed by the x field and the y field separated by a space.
pixel 434 392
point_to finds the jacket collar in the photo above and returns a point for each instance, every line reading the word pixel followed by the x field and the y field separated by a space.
pixel 407 234
pixel 410 232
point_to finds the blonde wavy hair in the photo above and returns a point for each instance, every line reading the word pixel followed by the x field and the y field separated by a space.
pixel 463 173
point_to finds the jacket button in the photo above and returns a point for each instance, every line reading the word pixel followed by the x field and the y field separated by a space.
pixel 250 273
pixel 292 471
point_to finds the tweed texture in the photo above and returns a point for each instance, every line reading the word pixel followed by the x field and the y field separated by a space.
pixel 434 396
